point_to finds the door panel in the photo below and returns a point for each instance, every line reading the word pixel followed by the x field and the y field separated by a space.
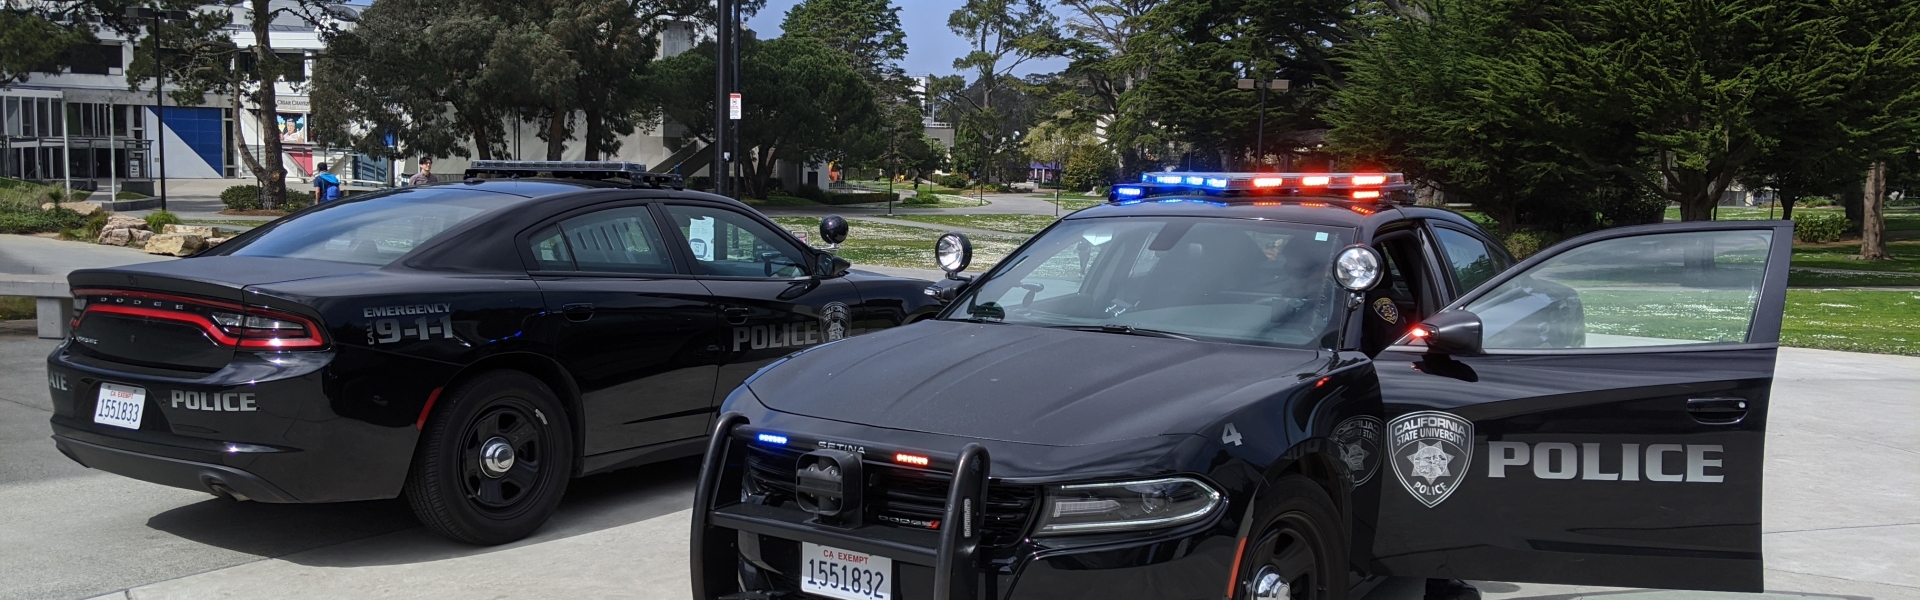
pixel 639 339
pixel 770 303
pixel 1613 430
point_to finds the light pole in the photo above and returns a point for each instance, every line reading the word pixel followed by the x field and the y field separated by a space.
pixel 159 83
pixel 1260 138
pixel 892 157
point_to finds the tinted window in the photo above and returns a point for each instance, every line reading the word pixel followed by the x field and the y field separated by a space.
pixel 730 244
pixel 374 230
pixel 1233 280
pixel 1646 290
pixel 616 240
pixel 550 250
pixel 1472 262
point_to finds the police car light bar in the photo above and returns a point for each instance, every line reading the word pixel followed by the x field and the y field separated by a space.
pixel 576 169
pixel 1357 186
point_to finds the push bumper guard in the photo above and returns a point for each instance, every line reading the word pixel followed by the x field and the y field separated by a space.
pixel 953 551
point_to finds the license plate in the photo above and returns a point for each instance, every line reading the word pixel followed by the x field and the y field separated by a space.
pixel 845 574
pixel 120 405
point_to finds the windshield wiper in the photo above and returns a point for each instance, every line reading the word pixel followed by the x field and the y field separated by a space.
pixel 1126 330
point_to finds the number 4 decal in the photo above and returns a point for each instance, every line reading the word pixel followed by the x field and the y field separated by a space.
pixel 1230 436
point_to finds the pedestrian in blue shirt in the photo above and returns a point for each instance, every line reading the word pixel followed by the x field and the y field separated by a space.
pixel 326 186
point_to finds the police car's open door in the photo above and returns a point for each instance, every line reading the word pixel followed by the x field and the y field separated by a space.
pixel 1595 415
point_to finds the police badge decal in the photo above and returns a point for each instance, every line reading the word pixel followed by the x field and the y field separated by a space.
pixel 1358 439
pixel 1431 453
pixel 837 320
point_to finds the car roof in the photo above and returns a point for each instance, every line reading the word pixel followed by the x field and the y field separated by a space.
pixel 1367 217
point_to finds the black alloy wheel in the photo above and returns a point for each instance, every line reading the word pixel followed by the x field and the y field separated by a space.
pixel 1300 552
pixel 493 460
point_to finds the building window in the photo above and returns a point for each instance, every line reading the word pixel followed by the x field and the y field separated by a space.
pixel 95 59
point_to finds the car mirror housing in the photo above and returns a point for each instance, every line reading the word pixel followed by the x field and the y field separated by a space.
pixel 1450 332
pixel 829 266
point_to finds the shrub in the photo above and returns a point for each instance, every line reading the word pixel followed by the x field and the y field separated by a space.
pixel 241 197
pixel 1813 202
pixel 159 220
pixel 1819 227
pixel 18 219
pixel 855 198
pixel 953 181
pixel 1522 244
pixel 811 193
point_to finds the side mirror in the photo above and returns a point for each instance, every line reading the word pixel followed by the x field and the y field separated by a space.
pixel 828 266
pixel 1450 332
pixel 833 230
pixel 953 252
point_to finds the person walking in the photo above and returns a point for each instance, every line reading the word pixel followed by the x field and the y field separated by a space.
pixel 425 176
pixel 326 185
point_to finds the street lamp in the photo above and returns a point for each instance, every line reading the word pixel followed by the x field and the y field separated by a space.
pixel 892 157
pixel 159 83
pixel 1260 139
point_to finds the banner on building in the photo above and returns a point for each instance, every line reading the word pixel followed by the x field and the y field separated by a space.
pixel 293 128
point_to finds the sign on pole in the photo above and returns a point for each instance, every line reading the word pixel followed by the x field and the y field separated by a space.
pixel 733 106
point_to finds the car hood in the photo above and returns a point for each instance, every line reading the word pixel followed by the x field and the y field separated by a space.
pixel 1028 384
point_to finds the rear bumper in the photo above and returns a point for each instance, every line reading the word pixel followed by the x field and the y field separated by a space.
pixel 272 428
pixel 211 478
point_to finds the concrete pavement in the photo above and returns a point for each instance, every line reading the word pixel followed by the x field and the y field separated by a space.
pixel 1842 516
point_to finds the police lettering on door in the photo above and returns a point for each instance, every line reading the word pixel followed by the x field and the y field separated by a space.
pixel 834 323
pixel 1690 463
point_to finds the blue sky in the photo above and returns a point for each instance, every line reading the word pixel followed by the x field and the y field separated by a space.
pixel 931 47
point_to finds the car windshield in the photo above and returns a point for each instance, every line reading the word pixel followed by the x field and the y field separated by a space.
pixel 1233 280
pixel 375 230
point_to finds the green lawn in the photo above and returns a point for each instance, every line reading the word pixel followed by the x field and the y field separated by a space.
pixel 1856 321
pixel 1074 201
pixel 883 245
pixel 1020 224
pixel 780 201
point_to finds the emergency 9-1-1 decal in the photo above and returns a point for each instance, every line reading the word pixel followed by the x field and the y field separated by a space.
pixel 1359 441
pixel 1431 452
pixel 424 322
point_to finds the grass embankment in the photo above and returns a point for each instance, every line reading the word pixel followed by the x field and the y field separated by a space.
pixel 1019 224
pixel 1884 322
pixel 20 210
pixel 883 245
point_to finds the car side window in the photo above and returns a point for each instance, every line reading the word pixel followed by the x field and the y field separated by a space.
pixel 615 240
pixel 550 250
pixel 1472 262
pixel 729 244
pixel 1697 287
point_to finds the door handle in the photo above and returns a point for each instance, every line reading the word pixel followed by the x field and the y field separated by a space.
pixel 577 312
pixel 736 315
pixel 1717 411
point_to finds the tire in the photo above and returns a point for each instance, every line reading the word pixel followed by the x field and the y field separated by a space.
pixel 1300 540
pixel 455 491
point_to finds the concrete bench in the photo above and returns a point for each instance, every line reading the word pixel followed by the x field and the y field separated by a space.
pixel 52 300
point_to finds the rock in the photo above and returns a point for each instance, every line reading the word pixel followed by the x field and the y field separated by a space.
pixel 115 237
pixel 177 244
pixel 85 208
pixel 139 235
pixel 215 241
pixel 204 231
pixel 123 222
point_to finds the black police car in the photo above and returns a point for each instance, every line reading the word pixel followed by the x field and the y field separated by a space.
pixel 1263 386
pixel 470 345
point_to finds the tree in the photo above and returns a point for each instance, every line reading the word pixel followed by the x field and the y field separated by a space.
pixel 1100 72
pixel 207 60
pixel 868 31
pixel 1003 34
pixel 421 71
pixel 1883 100
pixel 802 103
pixel 42 35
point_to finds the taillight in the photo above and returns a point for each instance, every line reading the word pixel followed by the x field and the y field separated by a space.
pixel 226 323
pixel 260 328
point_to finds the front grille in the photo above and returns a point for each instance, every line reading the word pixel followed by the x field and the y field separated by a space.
pixel 899 496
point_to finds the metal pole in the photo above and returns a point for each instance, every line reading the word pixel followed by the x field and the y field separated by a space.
pixel 722 8
pixel 1260 139
pixel 66 148
pixel 113 162
pixel 159 108
pixel 733 72
pixel 892 167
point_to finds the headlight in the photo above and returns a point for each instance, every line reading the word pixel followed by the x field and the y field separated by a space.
pixel 1126 505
